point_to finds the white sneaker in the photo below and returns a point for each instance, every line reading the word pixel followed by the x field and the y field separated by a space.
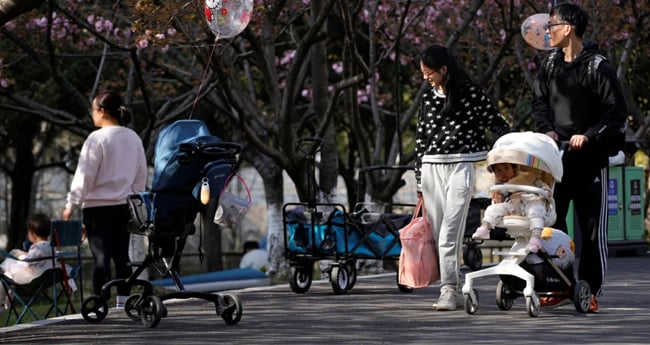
pixel 447 299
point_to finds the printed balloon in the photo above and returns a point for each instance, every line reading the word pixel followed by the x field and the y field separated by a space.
pixel 228 18
pixel 534 32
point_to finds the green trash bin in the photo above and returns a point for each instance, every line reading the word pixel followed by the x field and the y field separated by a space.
pixel 625 210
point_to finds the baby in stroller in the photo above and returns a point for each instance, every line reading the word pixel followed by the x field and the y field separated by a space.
pixel 548 271
pixel 534 206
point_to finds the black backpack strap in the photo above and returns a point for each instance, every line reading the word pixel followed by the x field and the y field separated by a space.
pixel 595 61
pixel 549 64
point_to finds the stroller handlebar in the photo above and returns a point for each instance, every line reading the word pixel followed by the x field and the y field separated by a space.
pixel 219 148
pixel 512 188
pixel 234 148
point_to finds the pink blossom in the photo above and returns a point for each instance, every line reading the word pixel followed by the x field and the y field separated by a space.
pixel 337 67
pixel 171 32
pixel 288 56
pixel 108 25
pixel 4 83
pixel 160 36
pixel 99 26
pixel 141 44
pixel 40 22
pixel 531 66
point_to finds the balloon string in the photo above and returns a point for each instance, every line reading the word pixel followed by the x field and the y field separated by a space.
pixel 205 72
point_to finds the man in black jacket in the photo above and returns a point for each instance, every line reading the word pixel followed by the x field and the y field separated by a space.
pixel 585 108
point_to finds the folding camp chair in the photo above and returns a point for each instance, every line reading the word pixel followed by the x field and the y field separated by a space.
pixel 66 238
pixel 54 285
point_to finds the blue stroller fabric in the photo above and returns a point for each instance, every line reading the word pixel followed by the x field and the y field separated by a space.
pixel 186 155
pixel 177 168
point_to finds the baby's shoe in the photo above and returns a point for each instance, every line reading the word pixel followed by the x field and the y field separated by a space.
pixel 481 233
pixel 534 244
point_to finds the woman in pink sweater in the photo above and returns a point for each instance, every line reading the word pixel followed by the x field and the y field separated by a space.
pixel 112 165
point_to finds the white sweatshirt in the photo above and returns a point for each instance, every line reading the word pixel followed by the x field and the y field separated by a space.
pixel 111 166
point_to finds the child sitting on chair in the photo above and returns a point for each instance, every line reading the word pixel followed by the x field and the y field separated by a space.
pixel 21 266
pixel 532 205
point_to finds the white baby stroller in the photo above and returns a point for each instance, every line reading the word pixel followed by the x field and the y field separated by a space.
pixel 537 153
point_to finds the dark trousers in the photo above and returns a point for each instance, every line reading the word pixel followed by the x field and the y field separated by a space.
pixel 586 184
pixel 106 227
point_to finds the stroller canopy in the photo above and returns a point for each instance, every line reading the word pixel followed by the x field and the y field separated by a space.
pixel 531 149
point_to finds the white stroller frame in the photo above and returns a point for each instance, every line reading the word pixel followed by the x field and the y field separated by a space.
pixel 527 149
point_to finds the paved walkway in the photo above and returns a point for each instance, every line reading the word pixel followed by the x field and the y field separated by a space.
pixel 373 312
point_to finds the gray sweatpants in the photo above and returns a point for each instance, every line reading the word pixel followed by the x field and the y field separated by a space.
pixel 447 191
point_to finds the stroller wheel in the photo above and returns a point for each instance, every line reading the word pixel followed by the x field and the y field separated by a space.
pixel 300 279
pixel 232 309
pixel 472 256
pixel 339 279
pixel 151 311
pixel 471 301
pixel 132 307
pixel 581 296
pixel 94 309
pixel 504 296
pixel 532 306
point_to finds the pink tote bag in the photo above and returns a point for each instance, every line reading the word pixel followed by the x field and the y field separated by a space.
pixel 418 261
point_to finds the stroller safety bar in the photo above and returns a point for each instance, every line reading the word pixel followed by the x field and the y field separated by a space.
pixel 518 188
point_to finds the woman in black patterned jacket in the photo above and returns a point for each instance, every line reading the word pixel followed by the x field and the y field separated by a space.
pixel 454 115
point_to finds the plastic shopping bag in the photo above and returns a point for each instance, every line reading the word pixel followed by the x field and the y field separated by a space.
pixel 232 208
pixel 418 263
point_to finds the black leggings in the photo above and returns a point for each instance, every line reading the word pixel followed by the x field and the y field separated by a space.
pixel 106 227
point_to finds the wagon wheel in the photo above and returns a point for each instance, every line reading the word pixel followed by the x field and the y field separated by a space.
pixel 339 279
pixel 301 278
pixel 351 266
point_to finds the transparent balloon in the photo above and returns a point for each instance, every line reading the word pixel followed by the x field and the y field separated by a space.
pixel 534 32
pixel 228 18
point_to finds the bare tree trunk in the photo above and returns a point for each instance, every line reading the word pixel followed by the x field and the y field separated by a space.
pixel 21 189
pixel 273 191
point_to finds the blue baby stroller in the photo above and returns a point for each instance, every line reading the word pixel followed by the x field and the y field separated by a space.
pixel 187 159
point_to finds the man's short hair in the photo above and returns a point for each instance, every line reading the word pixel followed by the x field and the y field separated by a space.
pixel 572 14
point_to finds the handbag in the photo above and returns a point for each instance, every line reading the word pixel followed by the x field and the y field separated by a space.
pixel 418 261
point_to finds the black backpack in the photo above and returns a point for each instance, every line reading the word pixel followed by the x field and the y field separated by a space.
pixel 615 141
pixel 596 59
